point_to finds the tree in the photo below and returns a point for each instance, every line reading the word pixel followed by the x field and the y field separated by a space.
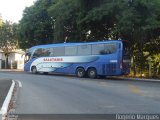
pixel 55 21
pixel 139 22
pixel 36 25
pixel 8 41
pixel 1 21
pixel 64 14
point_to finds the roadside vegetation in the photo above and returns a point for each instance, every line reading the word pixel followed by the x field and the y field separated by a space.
pixel 58 21
pixel 8 39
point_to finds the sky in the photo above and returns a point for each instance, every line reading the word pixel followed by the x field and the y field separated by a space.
pixel 12 10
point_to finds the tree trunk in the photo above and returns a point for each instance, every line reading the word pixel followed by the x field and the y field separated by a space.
pixel 155 72
pixel 134 67
pixel 6 62
pixel 134 70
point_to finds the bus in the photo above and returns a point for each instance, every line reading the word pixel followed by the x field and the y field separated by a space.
pixel 88 59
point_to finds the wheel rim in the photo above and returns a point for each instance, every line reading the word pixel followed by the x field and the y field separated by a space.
pixel 92 73
pixel 34 70
pixel 80 72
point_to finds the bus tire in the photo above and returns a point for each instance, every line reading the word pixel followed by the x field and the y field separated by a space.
pixel 92 73
pixel 80 72
pixel 34 70
pixel 45 73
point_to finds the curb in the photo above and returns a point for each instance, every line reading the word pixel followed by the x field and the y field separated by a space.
pixel 137 79
pixel 3 110
pixel 145 80
pixel 11 70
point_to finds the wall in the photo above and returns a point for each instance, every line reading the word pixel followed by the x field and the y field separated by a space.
pixel 15 60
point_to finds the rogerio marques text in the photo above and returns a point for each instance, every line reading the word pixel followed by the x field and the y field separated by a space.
pixel 137 116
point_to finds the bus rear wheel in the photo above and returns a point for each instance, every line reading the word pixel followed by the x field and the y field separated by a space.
pixel 92 73
pixel 34 70
pixel 80 72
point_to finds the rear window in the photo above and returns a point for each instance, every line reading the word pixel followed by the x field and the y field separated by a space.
pixel 126 47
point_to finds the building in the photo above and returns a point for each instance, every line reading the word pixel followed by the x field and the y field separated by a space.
pixel 15 59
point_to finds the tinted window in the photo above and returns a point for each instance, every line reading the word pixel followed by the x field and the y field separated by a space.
pixel 37 53
pixel 46 52
pixel 84 50
pixel 109 48
pixel 126 48
pixel 41 52
pixel 71 50
pixel 97 48
pixel 100 49
pixel 58 51
pixel 52 52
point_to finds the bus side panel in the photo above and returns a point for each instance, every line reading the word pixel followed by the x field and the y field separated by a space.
pixel 61 64
pixel 105 65
pixel 28 65
pixel 65 70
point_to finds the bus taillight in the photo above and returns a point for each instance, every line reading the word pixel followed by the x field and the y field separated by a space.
pixel 121 64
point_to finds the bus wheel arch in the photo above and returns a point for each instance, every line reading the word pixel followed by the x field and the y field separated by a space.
pixel 34 69
pixel 92 72
pixel 80 72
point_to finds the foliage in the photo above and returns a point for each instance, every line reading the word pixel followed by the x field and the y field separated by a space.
pixel 64 15
pixel 36 25
pixel 8 41
pixel 1 21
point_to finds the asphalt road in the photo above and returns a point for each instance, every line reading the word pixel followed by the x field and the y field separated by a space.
pixel 53 94
pixel 5 85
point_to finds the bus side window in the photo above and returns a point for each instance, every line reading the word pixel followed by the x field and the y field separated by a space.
pixel 110 48
pixel 71 51
pixel 97 48
pixel 59 51
pixel 51 52
pixel 46 52
pixel 37 53
pixel 84 50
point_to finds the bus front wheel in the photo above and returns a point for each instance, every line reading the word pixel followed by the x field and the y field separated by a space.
pixel 34 70
pixel 80 72
pixel 92 73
